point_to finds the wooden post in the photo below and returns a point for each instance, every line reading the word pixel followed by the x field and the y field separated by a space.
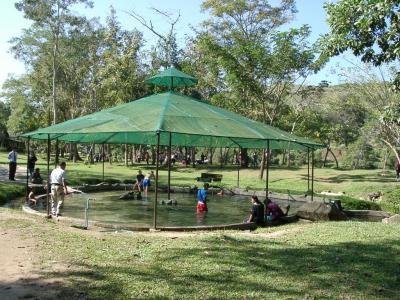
pixel 169 166
pixel 312 175
pixel 238 171
pixel 308 170
pixel 267 172
pixel 156 192
pixel 103 158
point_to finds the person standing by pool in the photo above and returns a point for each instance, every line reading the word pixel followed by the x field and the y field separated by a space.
pixel 202 199
pixel 12 159
pixel 146 183
pixel 58 188
pixel 31 163
pixel 257 211
pixel 139 181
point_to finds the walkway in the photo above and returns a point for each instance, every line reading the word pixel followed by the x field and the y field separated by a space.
pixel 20 175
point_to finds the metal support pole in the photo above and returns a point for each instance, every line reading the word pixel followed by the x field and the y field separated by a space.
pixel 312 175
pixel 267 172
pixel 238 172
pixel 156 192
pixel 27 172
pixel 103 158
pixel 169 166
pixel 308 170
pixel 48 176
pixel 56 157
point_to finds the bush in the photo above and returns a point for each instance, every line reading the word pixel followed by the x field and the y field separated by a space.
pixel 361 155
pixel 10 191
pixel 352 203
pixel 128 181
pixel 87 180
pixel 391 201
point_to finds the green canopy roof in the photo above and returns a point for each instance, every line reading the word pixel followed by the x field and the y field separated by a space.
pixel 188 121
pixel 172 77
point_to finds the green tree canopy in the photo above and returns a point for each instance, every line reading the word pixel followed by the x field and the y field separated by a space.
pixel 369 28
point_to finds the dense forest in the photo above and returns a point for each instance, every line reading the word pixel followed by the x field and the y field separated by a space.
pixel 245 62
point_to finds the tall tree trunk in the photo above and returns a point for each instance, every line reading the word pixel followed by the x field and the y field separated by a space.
pixel 57 152
pixel 244 158
pixel 393 148
pixel 109 153
pixel 334 156
pixel 262 165
pixel 211 155
pixel 326 157
pixel 193 152
pixel 55 49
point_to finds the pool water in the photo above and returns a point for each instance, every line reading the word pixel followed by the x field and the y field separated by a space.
pixel 108 208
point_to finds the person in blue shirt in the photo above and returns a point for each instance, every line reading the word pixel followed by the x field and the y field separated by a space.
pixel 202 199
pixel 12 158
pixel 146 184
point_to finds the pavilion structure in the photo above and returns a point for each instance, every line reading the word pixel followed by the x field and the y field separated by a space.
pixel 173 119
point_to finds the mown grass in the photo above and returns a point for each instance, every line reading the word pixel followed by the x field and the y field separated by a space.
pixel 335 260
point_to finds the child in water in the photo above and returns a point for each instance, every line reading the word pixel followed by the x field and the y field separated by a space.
pixel 146 183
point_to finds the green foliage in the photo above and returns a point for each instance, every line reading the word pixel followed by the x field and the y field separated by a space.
pixel 353 203
pixel 10 191
pixel 368 28
pixel 391 201
pixel 22 118
pixel 249 62
pixel 361 155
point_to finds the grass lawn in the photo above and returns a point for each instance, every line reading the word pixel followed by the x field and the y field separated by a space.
pixel 356 183
pixel 10 191
pixel 335 260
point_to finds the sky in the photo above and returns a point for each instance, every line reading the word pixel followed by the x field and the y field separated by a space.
pixel 310 12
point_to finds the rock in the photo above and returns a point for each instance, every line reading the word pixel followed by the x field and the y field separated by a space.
pixel 392 220
pixel 374 196
pixel 128 196
pixel 318 211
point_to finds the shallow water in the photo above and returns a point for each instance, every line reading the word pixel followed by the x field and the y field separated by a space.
pixel 108 208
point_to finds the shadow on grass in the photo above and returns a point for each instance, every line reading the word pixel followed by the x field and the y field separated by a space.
pixel 41 288
pixel 353 178
pixel 254 269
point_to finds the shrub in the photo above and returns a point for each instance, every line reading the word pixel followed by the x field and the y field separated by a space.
pixel 10 191
pixel 128 181
pixel 112 180
pixel 391 201
pixel 352 203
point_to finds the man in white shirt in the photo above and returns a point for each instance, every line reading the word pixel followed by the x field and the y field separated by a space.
pixel 12 158
pixel 58 186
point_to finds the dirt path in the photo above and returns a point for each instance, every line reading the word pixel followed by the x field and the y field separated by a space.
pixel 21 172
pixel 22 276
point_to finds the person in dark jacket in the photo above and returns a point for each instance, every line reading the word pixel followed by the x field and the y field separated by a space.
pixel 257 211
pixel 31 163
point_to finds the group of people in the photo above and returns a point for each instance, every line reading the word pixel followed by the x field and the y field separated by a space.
pixel 142 182
pixel 260 213
pixel 264 213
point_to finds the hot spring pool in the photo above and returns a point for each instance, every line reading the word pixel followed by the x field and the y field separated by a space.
pixel 108 208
